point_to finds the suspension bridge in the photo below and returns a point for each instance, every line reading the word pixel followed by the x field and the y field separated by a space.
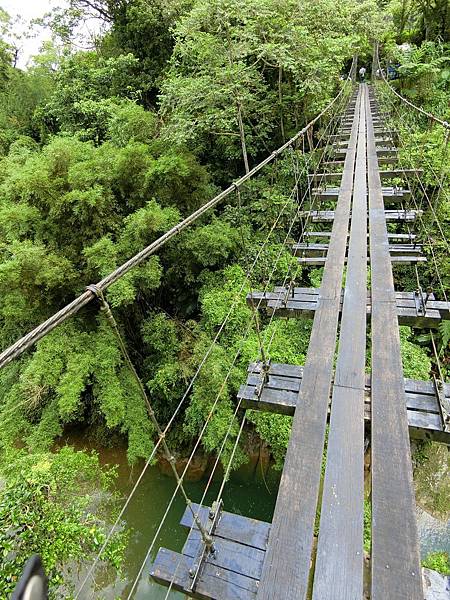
pixel 351 388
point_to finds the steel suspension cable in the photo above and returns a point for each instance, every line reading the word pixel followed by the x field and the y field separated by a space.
pixel 219 495
pixel 44 328
pixel 427 235
pixel 197 443
pixel 440 183
pixel 419 282
pixel 106 309
pixel 178 407
pixel 180 404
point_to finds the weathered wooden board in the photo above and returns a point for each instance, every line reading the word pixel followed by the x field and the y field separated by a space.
pixel 241 559
pixel 233 572
pixel 326 216
pixel 385 174
pixel 339 559
pixel 424 417
pixel 214 582
pixel 396 571
pixel 320 249
pixel 319 261
pixel 288 557
pixel 232 527
pixel 297 303
pixel 391 236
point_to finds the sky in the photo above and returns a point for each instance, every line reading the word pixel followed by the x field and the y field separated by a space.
pixel 27 10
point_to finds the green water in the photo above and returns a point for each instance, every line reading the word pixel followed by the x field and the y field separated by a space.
pixel 246 493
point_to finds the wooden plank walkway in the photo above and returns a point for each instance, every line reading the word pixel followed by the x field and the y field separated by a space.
pixel 234 571
pixel 339 559
pixel 327 216
pixel 302 303
pixel 390 194
pixel 261 561
pixel 288 556
pixel 280 395
pixel 395 561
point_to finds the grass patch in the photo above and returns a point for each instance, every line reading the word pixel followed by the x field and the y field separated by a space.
pixel 438 561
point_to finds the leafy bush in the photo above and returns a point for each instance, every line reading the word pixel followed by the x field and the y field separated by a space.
pixel 438 561
pixel 56 505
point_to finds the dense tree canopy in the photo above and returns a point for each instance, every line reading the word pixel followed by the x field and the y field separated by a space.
pixel 102 150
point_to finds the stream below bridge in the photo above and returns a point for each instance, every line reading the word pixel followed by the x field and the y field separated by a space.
pixel 248 493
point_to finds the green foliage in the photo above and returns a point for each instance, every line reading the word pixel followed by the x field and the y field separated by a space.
pixel 102 152
pixel 432 479
pixel 367 525
pixel 47 507
pixel 416 21
pixel 131 123
pixel 69 367
pixel 86 90
pixel 425 75
pixel 234 63
pixel 275 430
pixel 213 244
pixel 416 362
pixel 438 561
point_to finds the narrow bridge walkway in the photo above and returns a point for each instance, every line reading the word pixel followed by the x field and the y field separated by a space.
pixel 281 561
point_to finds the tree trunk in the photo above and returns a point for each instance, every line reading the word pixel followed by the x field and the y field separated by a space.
pixel 402 20
pixel 242 135
pixel 280 100
pixel 375 60
pixel 309 135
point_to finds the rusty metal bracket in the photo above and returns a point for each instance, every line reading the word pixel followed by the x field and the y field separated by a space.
pixel 443 402
pixel 265 368
pixel 286 296
pixel 206 549
pixel 420 303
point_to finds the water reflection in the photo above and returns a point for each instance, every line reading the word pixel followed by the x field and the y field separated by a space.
pixel 246 493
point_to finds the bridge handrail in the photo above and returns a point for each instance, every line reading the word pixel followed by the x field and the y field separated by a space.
pixel 441 122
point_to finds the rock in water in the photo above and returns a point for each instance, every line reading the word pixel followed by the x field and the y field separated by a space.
pixel 435 585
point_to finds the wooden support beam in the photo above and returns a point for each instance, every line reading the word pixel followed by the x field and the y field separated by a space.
pixel 385 174
pixel 381 151
pixel 339 560
pixel 302 303
pixel 321 249
pixel 280 395
pixel 232 573
pixel 395 560
pixel 335 164
pixel 390 194
pixel 319 261
pixel 325 216
pixel 393 237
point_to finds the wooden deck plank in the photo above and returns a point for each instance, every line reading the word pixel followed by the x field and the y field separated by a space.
pixel 288 556
pixel 244 530
pixel 239 558
pixel 285 380
pixel 395 564
pixel 339 560
pixel 319 261
pixel 424 420
pixel 214 582
pixel 327 216
pixel 407 313
pixel 391 236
